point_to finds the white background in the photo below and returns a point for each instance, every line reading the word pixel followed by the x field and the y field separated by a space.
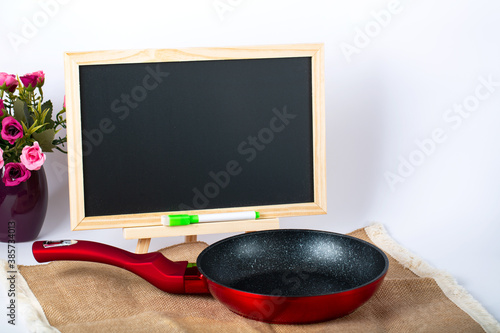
pixel 395 90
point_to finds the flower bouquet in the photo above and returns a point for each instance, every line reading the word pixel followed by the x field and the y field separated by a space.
pixel 27 127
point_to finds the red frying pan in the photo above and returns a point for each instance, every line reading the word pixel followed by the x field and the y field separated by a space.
pixel 277 276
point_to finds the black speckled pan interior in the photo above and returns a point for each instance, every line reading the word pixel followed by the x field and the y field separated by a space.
pixel 292 262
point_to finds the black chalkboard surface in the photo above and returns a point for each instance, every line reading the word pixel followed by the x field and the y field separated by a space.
pixel 197 130
pixel 196 135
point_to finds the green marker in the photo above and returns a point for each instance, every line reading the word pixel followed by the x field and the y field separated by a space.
pixel 185 219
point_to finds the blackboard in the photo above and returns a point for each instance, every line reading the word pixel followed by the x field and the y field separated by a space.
pixel 157 137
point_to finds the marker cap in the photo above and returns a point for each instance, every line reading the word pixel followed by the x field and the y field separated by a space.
pixel 181 219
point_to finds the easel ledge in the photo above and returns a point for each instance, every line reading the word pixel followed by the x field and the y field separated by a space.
pixel 144 234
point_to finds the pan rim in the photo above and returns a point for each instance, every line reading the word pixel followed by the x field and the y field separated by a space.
pixel 375 279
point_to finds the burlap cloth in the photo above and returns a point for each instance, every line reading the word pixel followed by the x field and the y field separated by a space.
pixel 90 297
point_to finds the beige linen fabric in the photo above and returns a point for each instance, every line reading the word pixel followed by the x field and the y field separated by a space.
pixel 91 297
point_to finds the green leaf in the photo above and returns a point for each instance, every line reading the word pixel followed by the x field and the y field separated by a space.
pixel 45 139
pixel 27 114
pixel 34 128
pixel 25 129
pixel 47 105
pixel 48 117
pixel 19 113
pixel 22 112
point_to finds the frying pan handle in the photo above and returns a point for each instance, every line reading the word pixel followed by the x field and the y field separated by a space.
pixel 153 267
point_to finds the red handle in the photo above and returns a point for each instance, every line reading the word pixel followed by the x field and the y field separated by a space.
pixel 164 274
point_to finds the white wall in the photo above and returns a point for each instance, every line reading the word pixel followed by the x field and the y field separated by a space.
pixel 384 94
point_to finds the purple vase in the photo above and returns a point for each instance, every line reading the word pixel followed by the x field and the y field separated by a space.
pixel 23 208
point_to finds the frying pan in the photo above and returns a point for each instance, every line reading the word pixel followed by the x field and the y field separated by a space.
pixel 277 276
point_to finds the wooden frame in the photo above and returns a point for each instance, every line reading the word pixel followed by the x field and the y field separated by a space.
pixel 74 132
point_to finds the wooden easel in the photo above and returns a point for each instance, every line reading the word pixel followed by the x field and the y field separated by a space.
pixel 145 223
pixel 144 234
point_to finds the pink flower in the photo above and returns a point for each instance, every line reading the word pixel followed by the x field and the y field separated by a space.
pixel 32 157
pixel 64 102
pixel 11 130
pixel 1 158
pixel 41 78
pixel 15 173
pixel 30 81
pixel 2 108
pixel 8 82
